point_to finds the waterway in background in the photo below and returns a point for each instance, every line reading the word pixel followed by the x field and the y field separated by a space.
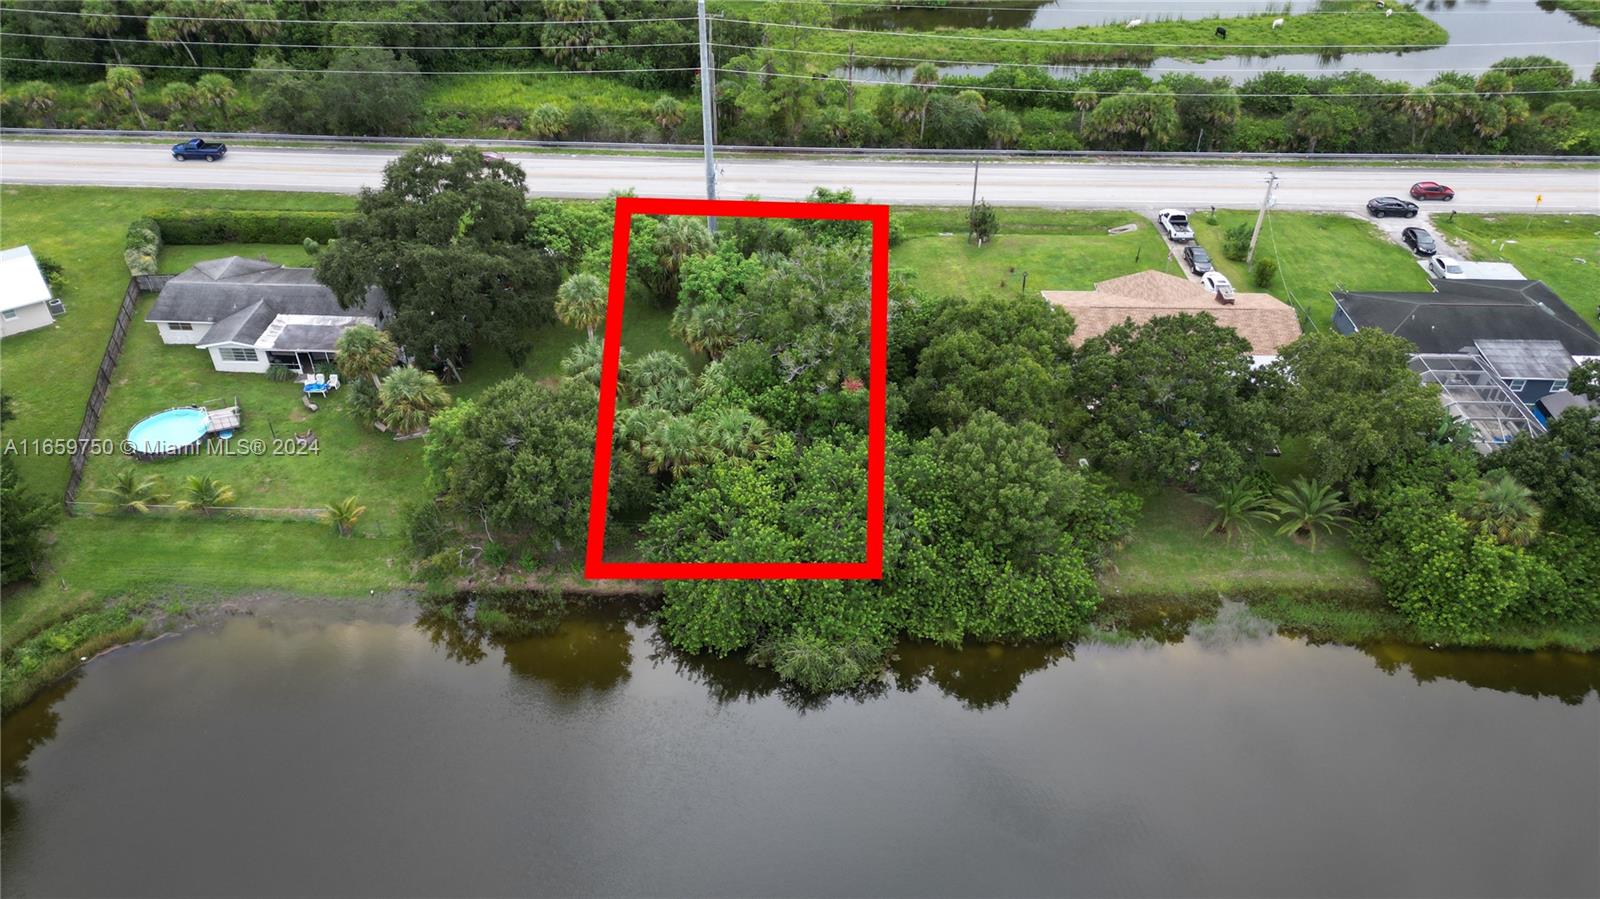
pixel 1482 32
pixel 318 748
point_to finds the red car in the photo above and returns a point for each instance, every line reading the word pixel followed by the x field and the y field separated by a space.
pixel 1431 190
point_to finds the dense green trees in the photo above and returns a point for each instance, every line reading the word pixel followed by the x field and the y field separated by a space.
pixel 24 519
pixel 446 238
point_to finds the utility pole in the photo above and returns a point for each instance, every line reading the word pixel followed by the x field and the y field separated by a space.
pixel 850 81
pixel 1272 184
pixel 707 112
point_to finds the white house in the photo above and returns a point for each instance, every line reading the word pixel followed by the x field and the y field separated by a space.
pixel 250 315
pixel 24 293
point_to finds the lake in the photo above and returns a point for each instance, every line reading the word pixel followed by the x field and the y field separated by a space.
pixel 1482 32
pixel 355 749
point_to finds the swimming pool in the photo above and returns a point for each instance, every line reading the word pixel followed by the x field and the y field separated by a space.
pixel 167 432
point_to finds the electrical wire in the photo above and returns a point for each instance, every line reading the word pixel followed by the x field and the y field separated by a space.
pixel 138 65
pixel 238 21
pixel 268 45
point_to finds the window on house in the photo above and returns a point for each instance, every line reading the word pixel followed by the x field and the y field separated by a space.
pixel 180 326
pixel 9 314
pixel 1517 385
pixel 1558 386
pixel 237 354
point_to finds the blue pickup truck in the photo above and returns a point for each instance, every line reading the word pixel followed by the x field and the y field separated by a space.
pixel 196 148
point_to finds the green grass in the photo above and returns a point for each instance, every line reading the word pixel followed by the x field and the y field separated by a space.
pixel 1546 247
pixel 49 372
pixel 1170 555
pixel 1058 250
pixel 1316 253
pixel 176 259
pixel 481 105
pixel 1300 33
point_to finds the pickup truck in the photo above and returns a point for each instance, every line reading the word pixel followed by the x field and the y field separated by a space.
pixel 198 148
pixel 1174 225
pixel 1451 269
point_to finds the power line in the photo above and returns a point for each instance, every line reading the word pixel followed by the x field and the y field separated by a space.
pixel 291 71
pixel 1347 48
pixel 872 57
pixel 238 21
pixel 264 44
pixel 1194 4
pixel 1049 90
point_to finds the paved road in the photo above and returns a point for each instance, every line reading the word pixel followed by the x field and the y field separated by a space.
pixel 1020 183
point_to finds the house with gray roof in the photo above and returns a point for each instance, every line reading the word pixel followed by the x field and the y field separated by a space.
pixel 250 314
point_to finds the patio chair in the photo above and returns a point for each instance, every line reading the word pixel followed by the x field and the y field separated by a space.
pixel 333 381
pixel 306 398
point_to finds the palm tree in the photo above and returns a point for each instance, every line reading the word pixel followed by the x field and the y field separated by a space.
pixel 125 83
pixel 677 239
pixel 547 121
pixel 581 302
pixel 1305 506
pixel 923 78
pixel 1421 106
pixel 204 494
pixel 674 446
pixel 179 99
pixel 131 492
pixel 710 328
pixel 343 515
pixel 408 397
pixel 667 113
pixel 169 30
pixel 735 431
pixel 1236 506
pixel 1503 509
pixel 215 91
pixel 1085 101
pixel 364 352
pixel 35 99
pixel 656 368
pixel 100 19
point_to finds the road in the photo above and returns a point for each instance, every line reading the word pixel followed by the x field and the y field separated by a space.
pixel 1010 183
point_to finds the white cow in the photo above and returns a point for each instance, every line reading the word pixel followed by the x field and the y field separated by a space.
pixel 1277 23
pixel 1135 23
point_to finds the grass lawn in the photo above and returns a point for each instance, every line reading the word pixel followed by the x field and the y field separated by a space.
pixel 1058 250
pixel 1170 555
pixel 176 259
pixel 1546 247
pixel 1316 253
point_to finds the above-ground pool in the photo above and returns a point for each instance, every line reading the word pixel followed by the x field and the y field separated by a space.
pixel 168 432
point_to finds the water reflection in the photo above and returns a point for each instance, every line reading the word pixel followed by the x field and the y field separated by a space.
pixel 1568 676
pixel 550 643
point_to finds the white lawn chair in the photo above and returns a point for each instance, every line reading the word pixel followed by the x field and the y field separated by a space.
pixel 333 382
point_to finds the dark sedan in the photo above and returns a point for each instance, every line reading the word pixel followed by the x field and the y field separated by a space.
pixel 1420 241
pixel 1382 207
pixel 197 148
pixel 1198 260
pixel 1431 190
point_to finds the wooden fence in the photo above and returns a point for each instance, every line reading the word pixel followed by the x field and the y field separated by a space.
pixel 102 380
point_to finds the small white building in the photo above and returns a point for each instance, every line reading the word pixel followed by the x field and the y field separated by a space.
pixel 24 293
pixel 250 315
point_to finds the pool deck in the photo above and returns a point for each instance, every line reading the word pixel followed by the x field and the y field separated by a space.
pixel 222 419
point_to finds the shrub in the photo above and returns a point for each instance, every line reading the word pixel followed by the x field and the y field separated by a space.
pixel 279 374
pixel 1263 272
pixel 210 226
pixel 425 528
pixel 547 121
pixel 983 222
pixel 142 246
pixel 1236 242
pixel 495 555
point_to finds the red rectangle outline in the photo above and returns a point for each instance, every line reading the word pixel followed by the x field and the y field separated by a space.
pixel 595 565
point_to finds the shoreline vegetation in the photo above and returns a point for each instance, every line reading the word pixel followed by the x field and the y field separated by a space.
pixel 110 580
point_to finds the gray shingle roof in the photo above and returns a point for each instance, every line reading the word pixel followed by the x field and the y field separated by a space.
pixel 1457 314
pixel 216 289
pixel 1527 360
pixel 243 326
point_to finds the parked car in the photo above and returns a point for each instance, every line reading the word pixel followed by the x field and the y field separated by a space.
pixel 1381 207
pixel 1431 190
pixel 1198 260
pixel 199 148
pixel 1420 241
pixel 1216 282
pixel 1174 224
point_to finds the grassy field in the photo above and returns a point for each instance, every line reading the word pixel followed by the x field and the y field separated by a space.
pixel 1546 247
pixel 1316 253
pixel 1057 250
pixel 480 105
pixel 1183 39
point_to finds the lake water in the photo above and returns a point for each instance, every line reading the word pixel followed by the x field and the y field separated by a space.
pixel 321 749
pixel 1482 32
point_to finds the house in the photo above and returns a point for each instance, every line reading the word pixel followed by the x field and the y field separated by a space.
pixel 1522 330
pixel 25 301
pixel 1559 402
pixel 1265 322
pixel 249 314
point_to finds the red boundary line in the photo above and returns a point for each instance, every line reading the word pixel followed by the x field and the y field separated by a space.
pixel 595 565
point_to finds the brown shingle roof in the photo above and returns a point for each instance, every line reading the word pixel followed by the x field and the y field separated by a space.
pixel 1263 320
